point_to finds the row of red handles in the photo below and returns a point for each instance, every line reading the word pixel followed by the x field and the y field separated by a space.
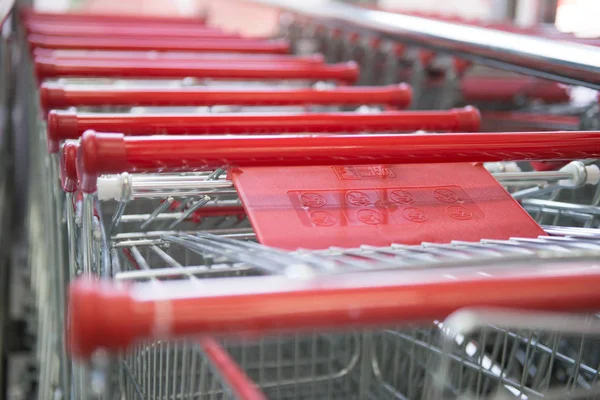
pixel 68 125
pixel 110 153
pixel 122 51
pixel 103 315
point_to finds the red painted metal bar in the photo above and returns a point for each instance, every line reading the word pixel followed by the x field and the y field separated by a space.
pixel 231 374
pixel 479 88
pixel 54 96
pixel 176 56
pixel 87 29
pixel 343 72
pixel 68 167
pixel 565 122
pixel 110 316
pixel 30 15
pixel 115 153
pixel 63 125
pixel 164 44
pixel 120 31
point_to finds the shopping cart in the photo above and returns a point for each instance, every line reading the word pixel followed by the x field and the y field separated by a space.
pixel 205 252
pixel 193 202
pixel 132 253
pixel 53 96
pixel 519 354
pixel 50 297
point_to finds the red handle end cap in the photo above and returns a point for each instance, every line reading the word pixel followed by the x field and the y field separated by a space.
pixel 61 125
pixel 99 154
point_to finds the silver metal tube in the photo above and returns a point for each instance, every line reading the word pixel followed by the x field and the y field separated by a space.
pixel 161 208
pixel 179 184
pixel 569 63
pixel 184 193
pixel 61 273
pixel 583 208
pixel 533 176
pixel 87 239
pixel 72 237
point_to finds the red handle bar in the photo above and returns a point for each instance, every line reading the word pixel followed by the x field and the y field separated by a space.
pixel 68 167
pixel 155 32
pixel 183 44
pixel 507 89
pixel 105 315
pixel 115 153
pixel 175 56
pixel 30 15
pixel 55 96
pixel 65 125
pixel 121 31
pixel 343 72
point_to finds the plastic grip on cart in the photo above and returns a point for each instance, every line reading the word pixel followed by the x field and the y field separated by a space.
pixel 36 15
pixel 68 167
pixel 115 153
pixel 53 96
pixel 107 315
pixel 176 56
pixel 342 72
pixel 183 44
pixel 63 125
pixel 508 89
pixel 548 165
pixel 58 126
pixel 117 31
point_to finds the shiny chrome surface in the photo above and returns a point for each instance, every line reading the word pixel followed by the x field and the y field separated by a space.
pixel 565 62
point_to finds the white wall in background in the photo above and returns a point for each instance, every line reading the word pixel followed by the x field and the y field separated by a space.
pixel 52 5
pixel 480 9
pixel 579 16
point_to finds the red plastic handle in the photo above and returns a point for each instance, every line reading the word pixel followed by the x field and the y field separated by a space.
pixel 63 125
pixel 548 165
pixel 342 72
pixel 226 368
pixel 477 88
pixel 54 96
pixel 175 56
pixel 534 121
pixel 131 32
pixel 68 167
pixel 181 44
pixel 120 31
pixel 115 153
pixel 30 15
pixel 104 315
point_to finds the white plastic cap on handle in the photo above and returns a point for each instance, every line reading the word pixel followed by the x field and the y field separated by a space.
pixel 110 187
pixel 581 175
pixel 593 174
pixel 495 167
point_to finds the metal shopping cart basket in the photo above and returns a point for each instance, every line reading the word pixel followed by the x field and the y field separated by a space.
pixel 519 354
pixel 48 169
pixel 205 252
pixel 297 68
pixel 185 221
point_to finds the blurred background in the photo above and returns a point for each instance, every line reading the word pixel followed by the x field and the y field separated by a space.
pixel 574 16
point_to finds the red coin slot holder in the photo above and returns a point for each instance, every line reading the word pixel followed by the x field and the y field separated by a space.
pixel 348 206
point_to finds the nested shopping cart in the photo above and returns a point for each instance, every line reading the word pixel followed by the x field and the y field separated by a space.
pixel 315 245
pixel 60 124
pixel 269 67
pixel 205 248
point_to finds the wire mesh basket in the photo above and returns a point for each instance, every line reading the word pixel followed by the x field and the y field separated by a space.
pixel 177 290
